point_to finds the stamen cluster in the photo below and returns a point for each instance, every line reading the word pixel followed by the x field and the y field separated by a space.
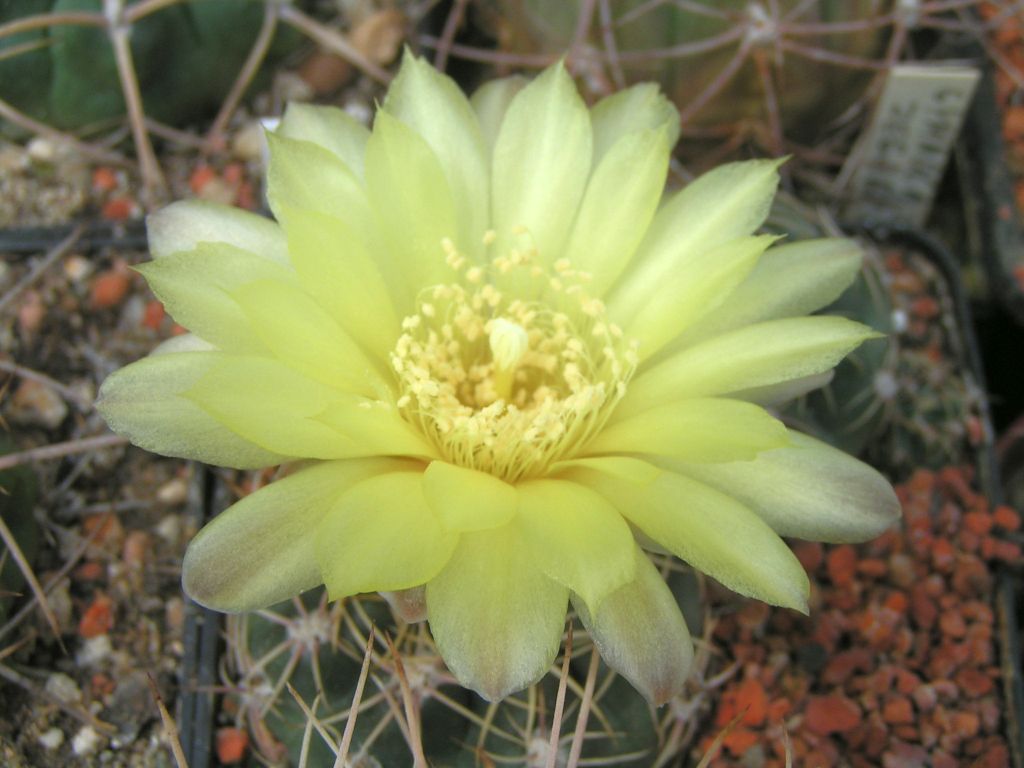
pixel 488 400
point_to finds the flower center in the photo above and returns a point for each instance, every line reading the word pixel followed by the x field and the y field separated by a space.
pixel 510 368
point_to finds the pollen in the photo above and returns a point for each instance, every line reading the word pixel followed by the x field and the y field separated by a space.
pixel 510 368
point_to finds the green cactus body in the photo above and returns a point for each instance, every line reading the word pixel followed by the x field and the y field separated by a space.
pixel 651 40
pixel 316 648
pixel 186 57
pixel 906 401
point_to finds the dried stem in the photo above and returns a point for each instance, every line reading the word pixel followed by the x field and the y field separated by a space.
pixel 556 717
pixel 52 256
pixel 80 714
pixel 170 728
pixel 144 8
pixel 350 725
pixel 17 50
pixel 451 26
pixel 152 176
pixel 498 58
pixel 83 404
pixel 26 570
pixel 26 123
pixel 257 54
pixel 24 611
pixel 166 132
pixel 60 450
pixel 585 703
pixel 583 24
pixel 332 40
pixel 311 717
pixel 715 86
pixel 831 57
pixel 771 101
pixel 611 48
pixel 47 20
pixel 412 718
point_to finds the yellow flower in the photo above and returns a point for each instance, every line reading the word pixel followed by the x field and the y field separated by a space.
pixel 506 365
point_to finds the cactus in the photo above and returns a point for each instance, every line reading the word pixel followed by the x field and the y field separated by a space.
pixel 744 69
pixel 186 57
pixel 294 670
pixel 907 401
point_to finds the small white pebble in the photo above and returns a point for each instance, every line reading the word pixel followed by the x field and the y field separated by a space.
pixel 173 492
pixel 86 741
pixel 169 529
pixel 899 321
pixel 360 111
pixel 51 739
pixel 63 688
pixel 42 150
pixel 249 142
pixel 93 651
pixel 77 267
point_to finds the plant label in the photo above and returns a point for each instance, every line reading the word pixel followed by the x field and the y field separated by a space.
pixel 896 166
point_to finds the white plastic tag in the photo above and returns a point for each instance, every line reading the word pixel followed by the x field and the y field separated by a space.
pixel 895 169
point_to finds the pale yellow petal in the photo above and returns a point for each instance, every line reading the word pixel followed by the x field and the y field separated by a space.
pixel 542 160
pixel 496 619
pixel 755 356
pixel 300 333
pixel 183 225
pixel 413 203
pixel 698 429
pixel 468 500
pixel 283 411
pixel 329 127
pixel 727 203
pixel 490 102
pixel 380 536
pixel 375 427
pixel 702 282
pixel 195 288
pixel 260 550
pixel 144 402
pixel 790 280
pixel 809 490
pixel 619 203
pixel 622 467
pixel 185 342
pixel 434 106
pixel 337 269
pixel 576 537
pixel 640 107
pixel 305 176
pixel 713 532
pixel 641 634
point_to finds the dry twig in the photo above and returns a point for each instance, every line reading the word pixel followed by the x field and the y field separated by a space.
pixel 170 728
pixel 37 589
pixel 52 256
pixel 60 450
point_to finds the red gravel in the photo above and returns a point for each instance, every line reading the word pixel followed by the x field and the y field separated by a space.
pixel 897 666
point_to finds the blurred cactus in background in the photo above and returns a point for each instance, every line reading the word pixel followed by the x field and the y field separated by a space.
pixel 775 75
pixel 186 57
pixel 907 401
